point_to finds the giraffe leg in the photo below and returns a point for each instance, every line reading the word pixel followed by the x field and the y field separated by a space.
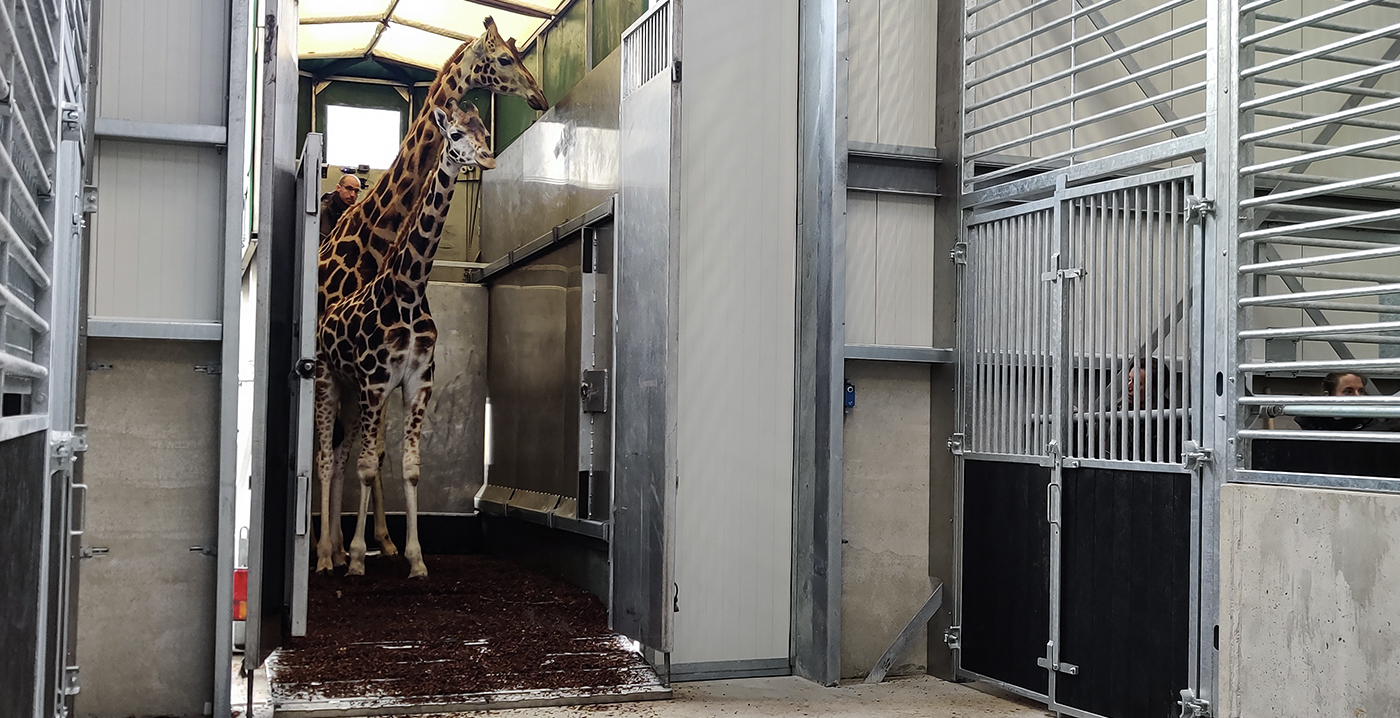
pixel 416 391
pixel 371 443
pixel 348 422
pixel 327 396
pixel 381 526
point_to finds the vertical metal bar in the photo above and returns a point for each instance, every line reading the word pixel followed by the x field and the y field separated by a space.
pixel 1003 333
pixel 1059 408
pixel 1102 281
pixel 1159 285
pixel 1016 258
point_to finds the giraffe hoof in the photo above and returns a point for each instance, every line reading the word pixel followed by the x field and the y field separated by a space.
pixel 357 568
pixel 323 565
pixel 387 548
pixel 339 558
pixel 419 571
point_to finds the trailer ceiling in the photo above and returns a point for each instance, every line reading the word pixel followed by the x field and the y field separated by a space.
pixel 417 33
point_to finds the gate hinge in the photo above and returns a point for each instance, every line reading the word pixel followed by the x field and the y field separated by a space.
pixel 955 444
pixel 70 681
pixel 66 445
pixel 1198 207
pixel 953 637
pixel 72 114
pixel 593 391
pixel 1195 455
pixel 89 199
pixel 959 253
pixel 675 71
pixel 1193 707
pixel 210 369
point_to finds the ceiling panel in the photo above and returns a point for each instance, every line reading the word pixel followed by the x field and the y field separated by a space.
pixel 339 10
pixel 412 46
pixel 350 39
pixel 465 18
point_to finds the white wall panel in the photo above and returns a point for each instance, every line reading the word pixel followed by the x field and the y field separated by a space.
pixel 157 245
pixel 904 271
pixel 164 61
pixel 863 71
pixel 737 348
pixel 907 47
pixel 862 244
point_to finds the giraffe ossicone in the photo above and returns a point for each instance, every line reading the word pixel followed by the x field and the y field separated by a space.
pixel 381 338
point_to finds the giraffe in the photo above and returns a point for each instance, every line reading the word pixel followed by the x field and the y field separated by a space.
pixel 354 251
pixel 382 337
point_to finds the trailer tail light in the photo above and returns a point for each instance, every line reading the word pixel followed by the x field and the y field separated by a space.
pixel 240 594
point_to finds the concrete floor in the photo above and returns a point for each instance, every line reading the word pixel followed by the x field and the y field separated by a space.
pixel 910 696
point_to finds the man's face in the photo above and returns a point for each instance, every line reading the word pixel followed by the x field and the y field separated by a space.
pixel 1350 385
pixel 348 189
pixel 1137 386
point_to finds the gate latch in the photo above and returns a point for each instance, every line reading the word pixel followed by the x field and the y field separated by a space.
pixel 1197 208
pixel 70 681
pixel 1193 707
pixel 1195 455
pixel 1068 669
pixel 593 391
pixel 953 637
pixel 959 253
pixel 955 444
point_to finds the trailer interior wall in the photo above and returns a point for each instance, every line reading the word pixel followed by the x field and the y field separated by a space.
pixel 889 444
pixel 163 275
pixel 737 348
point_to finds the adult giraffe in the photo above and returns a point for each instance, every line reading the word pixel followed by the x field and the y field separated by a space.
pixel 381 337
pixel 354 252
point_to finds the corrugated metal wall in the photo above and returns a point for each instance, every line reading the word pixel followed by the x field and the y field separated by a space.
pixel 889 241
pixel 158 241
pixel 733 533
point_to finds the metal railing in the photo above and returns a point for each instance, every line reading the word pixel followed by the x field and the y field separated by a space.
pixel 1319 254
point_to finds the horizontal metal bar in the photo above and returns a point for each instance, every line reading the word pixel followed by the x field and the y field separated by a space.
pixel 1318 25
pixel 1318 331
pixel 1283 400
pixel 1042 30
pixel 163 132
pixel 1318 190
pixel 1145 179
pixel 1310 241
pixel 331 19
pixel 1357 91
pixel 974 9
pixel 1371 365
pixel 1344 307
pixel 1120 464
pixel 893 169
pixel 1107 142
pixel 530 251
pixel 1333 410
pixel 1302 22
pixel 1333 57
pixel 1106 114
pixel 1165 151
pixel 1096 89
pixel 1317 153
pixel 1335 82
pixel 900 152
pixel 1369 437
pixel 42 181
pixel 12 364
pixel 1347 293
pixel 1257 5
pixel 1037 459
pixel 1007 19
pixel 730 670
pixel 1342 276
pixel 1305 227
pixel 1319 481
pixel 1307 121
pixel 127 328
pixel 15 307
pixel 26 198
pixel 1286 211
pixel 20 251
pixel 1057 76
pixel 889 352
pixel 980 218
pixel 13 427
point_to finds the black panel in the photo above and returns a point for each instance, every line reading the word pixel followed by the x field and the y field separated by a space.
pixel 1006 572
pixel 21 525
pixel 1353 458
pixel 1126 592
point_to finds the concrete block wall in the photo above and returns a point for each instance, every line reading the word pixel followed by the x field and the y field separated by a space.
pixel 885 516
pixel 1310 602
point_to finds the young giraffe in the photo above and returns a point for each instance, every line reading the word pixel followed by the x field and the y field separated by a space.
pixel 382 337
pixel 355 250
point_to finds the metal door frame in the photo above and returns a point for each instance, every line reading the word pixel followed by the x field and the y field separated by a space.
pixel 1053 398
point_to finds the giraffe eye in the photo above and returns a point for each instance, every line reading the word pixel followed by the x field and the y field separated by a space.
pixel 507 62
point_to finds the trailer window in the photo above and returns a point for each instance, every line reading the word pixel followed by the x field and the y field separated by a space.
pixel 362 136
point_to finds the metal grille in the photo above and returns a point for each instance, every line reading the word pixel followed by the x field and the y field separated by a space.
pixel 1050 83
pixel 1008 339
pixel 30 131
pixel 1129 318
pixel 646 48
pixel 1320 203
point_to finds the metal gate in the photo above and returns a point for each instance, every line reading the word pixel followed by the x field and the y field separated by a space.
pixel 44 139
pixel 1080 344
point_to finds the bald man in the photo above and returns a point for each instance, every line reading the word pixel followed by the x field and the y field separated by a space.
pixel 335 202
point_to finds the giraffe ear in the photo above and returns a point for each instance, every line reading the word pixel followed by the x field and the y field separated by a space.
pixel 440 118
pixel 490 24
pixel 511 43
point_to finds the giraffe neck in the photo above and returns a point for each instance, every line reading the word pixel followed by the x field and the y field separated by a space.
pixel 419 242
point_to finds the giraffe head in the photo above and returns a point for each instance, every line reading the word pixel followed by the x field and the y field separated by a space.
pixel 497 66
pixel 468 142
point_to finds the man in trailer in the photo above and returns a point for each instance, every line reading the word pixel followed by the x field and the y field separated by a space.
pixel 1339 384
pixel 334 203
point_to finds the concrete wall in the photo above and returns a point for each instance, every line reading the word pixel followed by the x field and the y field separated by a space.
pixel 145 612
pixel 885 521
pixel 1310 622
pixel 452 452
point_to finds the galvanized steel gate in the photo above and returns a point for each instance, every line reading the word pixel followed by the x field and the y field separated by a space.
pixel 44 140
